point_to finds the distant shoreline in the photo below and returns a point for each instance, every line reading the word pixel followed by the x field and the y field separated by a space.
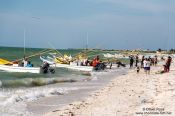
pixel 79 48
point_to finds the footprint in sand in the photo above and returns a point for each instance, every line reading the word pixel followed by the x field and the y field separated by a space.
pixel 56 110
pixel 169 84
pixel 147 101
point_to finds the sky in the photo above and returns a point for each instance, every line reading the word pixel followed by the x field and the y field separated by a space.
pixel 108 24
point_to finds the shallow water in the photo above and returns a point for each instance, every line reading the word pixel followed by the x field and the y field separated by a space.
pixel 37 100
pixel 80 91
pixel 20 92
pixel 17 80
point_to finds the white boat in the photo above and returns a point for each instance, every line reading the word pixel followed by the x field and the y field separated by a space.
pixel 75 67
pixel 72 65
pixel 48 60
pixel 11 68
pixel 108 55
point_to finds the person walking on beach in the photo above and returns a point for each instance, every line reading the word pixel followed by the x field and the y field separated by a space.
pixel 143 58
pixel 137 60
pixel 155 60
pixel 168 63
pixel 150 59
pixel 146 65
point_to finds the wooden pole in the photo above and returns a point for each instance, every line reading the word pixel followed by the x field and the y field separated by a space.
pixel 36 54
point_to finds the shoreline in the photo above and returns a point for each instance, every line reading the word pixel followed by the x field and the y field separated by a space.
pixel 128 95
pixel 76 91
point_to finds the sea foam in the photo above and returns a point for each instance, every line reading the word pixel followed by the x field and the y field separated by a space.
pixel 14 101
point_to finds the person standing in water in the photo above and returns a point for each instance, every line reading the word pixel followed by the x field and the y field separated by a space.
pixel 137 60
pixel 24 62
pixel 131 61
pixel 96 61
pixel 143 58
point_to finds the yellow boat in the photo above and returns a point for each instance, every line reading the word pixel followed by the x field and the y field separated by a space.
pixel 3 62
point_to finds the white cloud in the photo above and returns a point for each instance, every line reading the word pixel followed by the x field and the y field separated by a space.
pixel 103 26
pixel 153 6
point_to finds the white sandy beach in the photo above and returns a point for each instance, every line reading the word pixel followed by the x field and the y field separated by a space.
pixel 128 95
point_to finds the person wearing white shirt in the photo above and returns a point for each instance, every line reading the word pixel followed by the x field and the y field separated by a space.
pixel 146 65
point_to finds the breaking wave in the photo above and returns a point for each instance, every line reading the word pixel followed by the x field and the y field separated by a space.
pixel 30 82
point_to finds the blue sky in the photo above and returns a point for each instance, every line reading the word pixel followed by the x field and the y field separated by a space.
pixel 110 24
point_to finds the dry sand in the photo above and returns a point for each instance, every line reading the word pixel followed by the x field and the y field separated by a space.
pixel 128 95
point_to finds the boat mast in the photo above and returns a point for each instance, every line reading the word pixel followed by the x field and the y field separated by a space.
pixel 87 42
pixel 24 41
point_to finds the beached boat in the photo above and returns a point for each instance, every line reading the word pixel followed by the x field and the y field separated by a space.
pixel 75 67
pixel 71 65
pixel 8 66
pixel 3 61
pixel 11 68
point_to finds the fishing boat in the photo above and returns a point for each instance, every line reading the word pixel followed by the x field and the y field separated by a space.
pixel 8 66
pixel 71 65
pixel 12 68
pixel 75 67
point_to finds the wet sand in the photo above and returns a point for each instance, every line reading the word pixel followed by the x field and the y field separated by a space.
pixel 128 95
pixel 77 91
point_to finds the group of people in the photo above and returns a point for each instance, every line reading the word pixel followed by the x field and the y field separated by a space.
pixel 96 63
pixel 24 63
pixel 146 63
pixel 132 60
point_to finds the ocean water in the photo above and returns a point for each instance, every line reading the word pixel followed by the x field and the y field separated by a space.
pixel 20 91
pixel 8 80
pixel 40 99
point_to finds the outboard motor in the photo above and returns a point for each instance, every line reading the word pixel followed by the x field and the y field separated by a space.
pixel 52 70
pixel 45 68
pixel 120 64
pixel 100 66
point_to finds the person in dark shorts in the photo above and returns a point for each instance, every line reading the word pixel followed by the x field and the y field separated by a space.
pixel 146 65
pixel 168 63
pixel 143 58
pixel 137 60
pixel 131 61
